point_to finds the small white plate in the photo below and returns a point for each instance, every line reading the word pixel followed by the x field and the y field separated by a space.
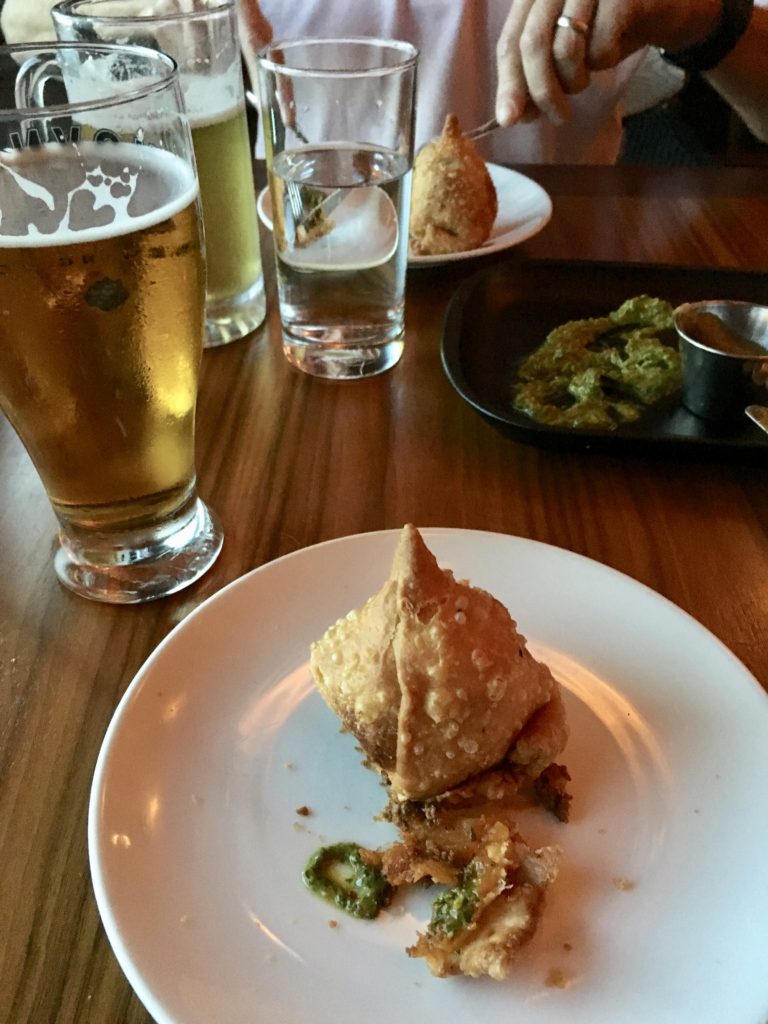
pixel 661 909
pixel 524 209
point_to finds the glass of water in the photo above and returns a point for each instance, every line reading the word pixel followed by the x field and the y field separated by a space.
pixel 338 117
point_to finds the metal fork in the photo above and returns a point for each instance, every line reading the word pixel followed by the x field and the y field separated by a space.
pixel 301 218
pixel 481 130
pixel 293 191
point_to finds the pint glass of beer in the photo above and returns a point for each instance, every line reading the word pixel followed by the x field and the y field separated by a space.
pixel 201 36
pixel 102 290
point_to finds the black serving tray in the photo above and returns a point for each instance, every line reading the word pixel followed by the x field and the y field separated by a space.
pixel 501 314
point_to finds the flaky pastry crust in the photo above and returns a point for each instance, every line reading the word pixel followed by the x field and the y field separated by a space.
pixel 435 681
pixel 453 201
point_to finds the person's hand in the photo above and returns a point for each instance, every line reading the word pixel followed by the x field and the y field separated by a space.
pixel 549 48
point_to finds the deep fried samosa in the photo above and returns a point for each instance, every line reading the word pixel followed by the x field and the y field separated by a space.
pixel 435 681
pixel 453 203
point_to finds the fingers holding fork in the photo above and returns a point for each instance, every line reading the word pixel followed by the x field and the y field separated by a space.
pixel 542 57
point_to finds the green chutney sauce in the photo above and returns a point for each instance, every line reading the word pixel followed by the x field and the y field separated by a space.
pixel 341 875
pixel 604 371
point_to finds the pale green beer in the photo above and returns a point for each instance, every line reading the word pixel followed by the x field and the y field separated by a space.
pixel 222 152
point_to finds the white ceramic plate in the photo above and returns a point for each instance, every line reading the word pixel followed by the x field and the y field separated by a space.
pixel 524 209
pixel 661 909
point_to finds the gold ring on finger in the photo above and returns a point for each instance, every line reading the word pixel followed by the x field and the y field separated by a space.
pixel 574 24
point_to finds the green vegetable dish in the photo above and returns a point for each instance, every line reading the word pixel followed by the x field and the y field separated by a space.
pixel 602 372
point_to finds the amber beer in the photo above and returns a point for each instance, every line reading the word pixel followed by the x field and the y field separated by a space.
pixel 102 326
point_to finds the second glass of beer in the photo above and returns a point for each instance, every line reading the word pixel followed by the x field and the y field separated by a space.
pixel 201 36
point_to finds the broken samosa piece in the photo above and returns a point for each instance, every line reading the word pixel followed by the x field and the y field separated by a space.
pixel 496 883
pixel 478 926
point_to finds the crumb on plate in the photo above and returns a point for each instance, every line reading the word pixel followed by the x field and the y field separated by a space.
pixel 556 978
pixel 624 884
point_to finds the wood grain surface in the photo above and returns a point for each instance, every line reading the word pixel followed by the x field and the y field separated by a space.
pixel 287 461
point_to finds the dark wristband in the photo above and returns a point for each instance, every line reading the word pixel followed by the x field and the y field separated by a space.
pixel 734 18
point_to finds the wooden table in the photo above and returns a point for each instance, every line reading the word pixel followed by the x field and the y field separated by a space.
pixel 288 461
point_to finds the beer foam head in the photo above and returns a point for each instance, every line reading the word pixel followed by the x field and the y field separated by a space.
pixel 104 82
pixel 57 193
pixel 210 99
